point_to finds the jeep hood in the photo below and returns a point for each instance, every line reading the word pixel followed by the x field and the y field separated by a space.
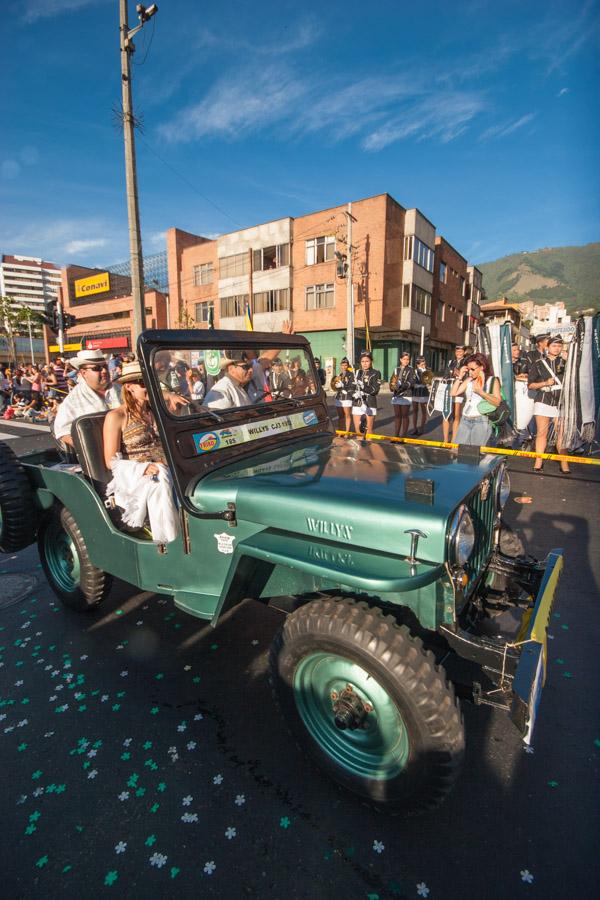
pixel 348 491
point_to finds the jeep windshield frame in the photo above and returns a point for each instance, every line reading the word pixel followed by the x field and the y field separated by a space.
pixel 253 429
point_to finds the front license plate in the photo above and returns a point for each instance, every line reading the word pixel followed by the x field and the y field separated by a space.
pixel 531 671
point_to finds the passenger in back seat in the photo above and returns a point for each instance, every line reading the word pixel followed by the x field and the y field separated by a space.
pixel 133 451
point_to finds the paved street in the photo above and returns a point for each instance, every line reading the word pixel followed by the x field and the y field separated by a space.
pixel 143 755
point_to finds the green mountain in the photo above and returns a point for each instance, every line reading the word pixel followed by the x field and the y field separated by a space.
pixel 571 274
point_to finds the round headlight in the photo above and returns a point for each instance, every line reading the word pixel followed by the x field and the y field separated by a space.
pixel 502 487
pixel 461 537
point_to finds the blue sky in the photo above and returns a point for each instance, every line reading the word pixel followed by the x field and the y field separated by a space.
pixel 483 114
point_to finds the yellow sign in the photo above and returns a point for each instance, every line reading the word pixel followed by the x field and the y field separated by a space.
pixel 94 284
pixel 54 348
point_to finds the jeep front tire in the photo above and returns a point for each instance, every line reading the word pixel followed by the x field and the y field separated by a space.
pixel 368 703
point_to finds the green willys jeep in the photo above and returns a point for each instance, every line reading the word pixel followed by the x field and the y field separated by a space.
pixel 392 558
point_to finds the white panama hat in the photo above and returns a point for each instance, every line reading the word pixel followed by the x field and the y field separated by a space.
pixel 85 357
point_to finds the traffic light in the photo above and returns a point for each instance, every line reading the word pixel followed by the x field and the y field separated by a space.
pixel 50 315
pixel 341 267
pixel 69 321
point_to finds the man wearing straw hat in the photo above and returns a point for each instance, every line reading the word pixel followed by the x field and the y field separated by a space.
pixel 91 394
pixel 232 388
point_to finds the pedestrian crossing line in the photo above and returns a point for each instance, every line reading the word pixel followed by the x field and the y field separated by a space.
pixel 5 436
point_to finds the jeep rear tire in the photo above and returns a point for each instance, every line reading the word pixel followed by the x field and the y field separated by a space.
pixel 17 511
pixel 65 559
pixel 368 703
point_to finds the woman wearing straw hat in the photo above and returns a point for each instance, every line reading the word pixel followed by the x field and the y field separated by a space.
pixel 133 451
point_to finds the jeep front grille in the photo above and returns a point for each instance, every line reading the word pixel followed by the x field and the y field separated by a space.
pixel 483 513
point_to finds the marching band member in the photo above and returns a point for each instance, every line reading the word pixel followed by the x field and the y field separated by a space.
pixel 452 372
pixel 546 378
pixel 424 377
pixel 344 385
pixel 279 381
pixel 401 385
pixel 368 383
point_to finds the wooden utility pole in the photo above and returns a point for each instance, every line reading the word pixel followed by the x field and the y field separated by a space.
pixel 133 212
pixel 349 290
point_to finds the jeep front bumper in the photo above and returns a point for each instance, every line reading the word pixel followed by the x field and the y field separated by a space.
pixel 516 663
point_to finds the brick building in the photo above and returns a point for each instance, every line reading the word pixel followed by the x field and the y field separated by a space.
pixel 102 303
pixel 294 268
pixel 449 314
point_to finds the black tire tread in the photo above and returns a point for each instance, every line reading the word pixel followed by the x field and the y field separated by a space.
pixel 94 583
pixel 403 656
pixel 16 501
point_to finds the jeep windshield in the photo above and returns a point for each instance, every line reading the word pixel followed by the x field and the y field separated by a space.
pixel 223 396
pixel 196 380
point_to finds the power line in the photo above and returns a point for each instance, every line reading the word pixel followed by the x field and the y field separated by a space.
pixel 188 182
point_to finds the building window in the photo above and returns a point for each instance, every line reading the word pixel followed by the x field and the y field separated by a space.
pixel 233 306
pixel 320 249
pixel 423 255
pixel 319 296
pixel 443 272
pixel 421 301
pixel 406 296
pixel 203 310
pixel 441 311
pixel 203 274
pixel 408 244
pixel 230 266
pixel 462 286
pixel 271 301
pixel 271 257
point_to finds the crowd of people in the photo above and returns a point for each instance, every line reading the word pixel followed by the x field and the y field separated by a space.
pixel 473 408
pixel 472 397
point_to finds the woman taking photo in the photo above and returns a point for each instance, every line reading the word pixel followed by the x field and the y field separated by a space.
pixel 133 451
pixel 471 383
pixel 545 378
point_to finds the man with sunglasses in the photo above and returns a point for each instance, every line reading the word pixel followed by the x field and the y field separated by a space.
pixel 91 394
pixel 231 389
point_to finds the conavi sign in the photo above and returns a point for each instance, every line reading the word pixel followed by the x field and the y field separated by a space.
pixel 93 284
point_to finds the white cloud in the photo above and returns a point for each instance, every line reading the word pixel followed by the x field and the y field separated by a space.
pixel 59 240
pixel 157 239
pixel 443 115
pixel 238 104
pixel 46 9
pixel 74 248
pixel 391 107
pixel 563 91
pixel 503 129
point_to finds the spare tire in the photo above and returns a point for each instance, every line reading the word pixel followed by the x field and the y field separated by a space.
pixel 17 509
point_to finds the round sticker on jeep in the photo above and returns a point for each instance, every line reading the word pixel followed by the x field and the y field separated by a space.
pixel 207 442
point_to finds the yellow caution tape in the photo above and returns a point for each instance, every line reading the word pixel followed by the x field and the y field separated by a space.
pixel 499 451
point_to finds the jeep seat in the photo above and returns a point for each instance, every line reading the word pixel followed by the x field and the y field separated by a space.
pixel 88 442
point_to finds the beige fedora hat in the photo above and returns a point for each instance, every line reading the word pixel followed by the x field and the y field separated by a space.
pixel 87 357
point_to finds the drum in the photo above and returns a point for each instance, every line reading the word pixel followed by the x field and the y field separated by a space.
pixel 523 405
pixel 439 397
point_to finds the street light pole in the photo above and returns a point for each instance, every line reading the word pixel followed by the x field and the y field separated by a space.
pixel 133 212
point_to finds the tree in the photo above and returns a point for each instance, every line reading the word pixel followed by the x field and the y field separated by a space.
pixel 14 320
